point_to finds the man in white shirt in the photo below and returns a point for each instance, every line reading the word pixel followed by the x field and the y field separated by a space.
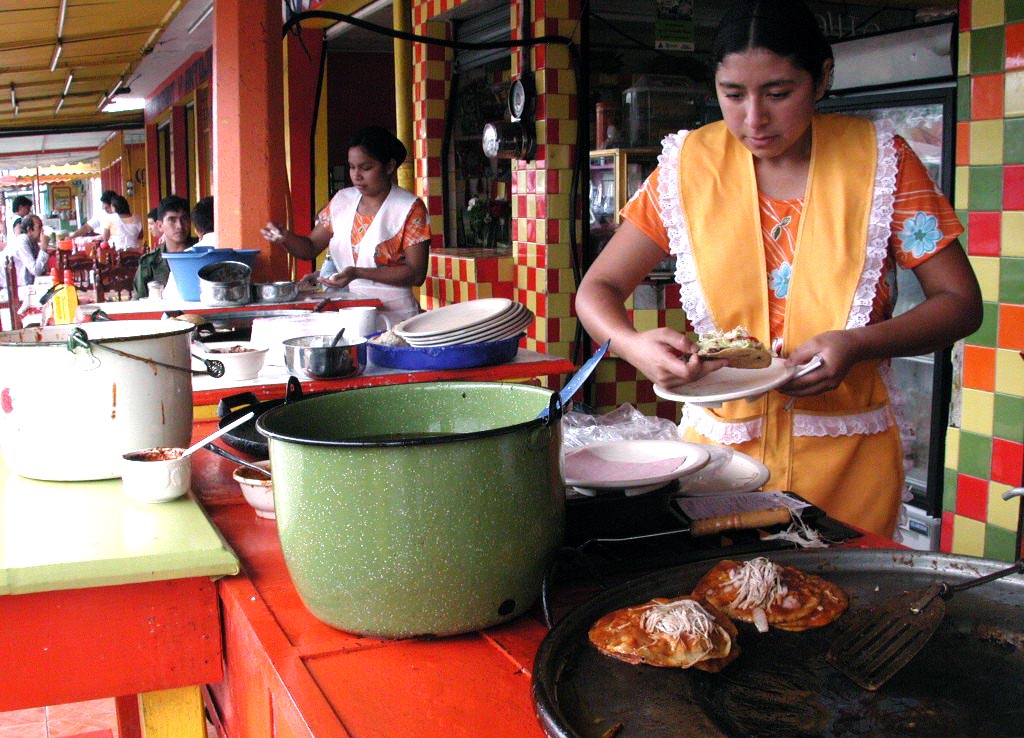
pixel 28 250
pixel 99 222
pixel 22 206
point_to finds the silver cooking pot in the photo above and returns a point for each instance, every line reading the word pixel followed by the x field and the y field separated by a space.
pixel 224 283
pixel 275 291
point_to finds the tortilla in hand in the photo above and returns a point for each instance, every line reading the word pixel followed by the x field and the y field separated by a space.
pixel 737 346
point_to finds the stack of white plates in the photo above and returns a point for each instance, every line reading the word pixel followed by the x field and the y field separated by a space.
pixel 476 321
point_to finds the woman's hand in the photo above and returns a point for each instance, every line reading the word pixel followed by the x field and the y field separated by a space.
pixel 665 356
pixel 838 351
pixel 273 232
pixel 340 279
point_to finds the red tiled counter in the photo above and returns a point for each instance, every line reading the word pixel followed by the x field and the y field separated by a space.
pixel 291 676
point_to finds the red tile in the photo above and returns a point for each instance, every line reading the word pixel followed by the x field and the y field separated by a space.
pixel 1007 462
pixel 946 532
pixel 1014 46
pixel 983 233
pixel 987 97
pixel 963 143
pixel 971 497
pixel 1013 187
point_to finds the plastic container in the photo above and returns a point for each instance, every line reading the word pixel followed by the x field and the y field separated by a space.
pixel 65 301
pixel 458 356
pixel 660 107
pixel 185 266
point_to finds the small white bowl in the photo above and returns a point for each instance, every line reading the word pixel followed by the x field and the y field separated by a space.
pixel 241 359
pixel 257 489
pixel 156 474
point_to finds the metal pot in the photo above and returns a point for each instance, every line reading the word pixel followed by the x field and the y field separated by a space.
pixel 224 283
pixel 415 509
pixel 131 388
pixel 275 291
pixel 315 356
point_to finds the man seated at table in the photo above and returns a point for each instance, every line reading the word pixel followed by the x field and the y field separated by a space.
pixel 28 250
pixel 176 227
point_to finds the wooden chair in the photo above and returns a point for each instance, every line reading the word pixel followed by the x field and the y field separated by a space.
pixel 116 280
pixel 129 257
pixel 13 303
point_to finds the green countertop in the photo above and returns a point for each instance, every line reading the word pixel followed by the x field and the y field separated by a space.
pixel 72 535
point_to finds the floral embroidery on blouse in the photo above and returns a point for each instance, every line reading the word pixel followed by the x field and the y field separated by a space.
pixel 780 279
pixel 780 227
pixel 920 234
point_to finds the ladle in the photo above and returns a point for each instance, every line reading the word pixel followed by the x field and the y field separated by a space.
pixel 338 337
pixel 237 459
pixel 216 434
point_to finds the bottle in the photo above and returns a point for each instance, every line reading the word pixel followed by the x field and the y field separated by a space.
pixel 65 302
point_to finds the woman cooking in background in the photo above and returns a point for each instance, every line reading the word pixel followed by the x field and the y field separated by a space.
pixel 791 224
pixel 378 234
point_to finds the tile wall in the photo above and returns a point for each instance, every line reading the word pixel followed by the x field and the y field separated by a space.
pixel 540 260
pixel 985 454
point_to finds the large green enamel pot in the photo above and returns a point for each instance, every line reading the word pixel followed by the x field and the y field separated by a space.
pixel 419 508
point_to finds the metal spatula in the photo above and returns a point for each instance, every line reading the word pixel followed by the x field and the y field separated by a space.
pixel 878 642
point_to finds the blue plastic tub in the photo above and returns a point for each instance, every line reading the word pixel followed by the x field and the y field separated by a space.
pixel 458 356
pixel 185 266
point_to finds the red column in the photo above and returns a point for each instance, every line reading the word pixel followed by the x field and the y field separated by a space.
pixel 248 109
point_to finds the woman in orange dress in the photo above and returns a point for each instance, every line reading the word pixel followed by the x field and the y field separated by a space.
pixel 791 223
pixel 377 233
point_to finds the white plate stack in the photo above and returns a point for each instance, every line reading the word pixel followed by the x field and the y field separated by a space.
pixel 475 321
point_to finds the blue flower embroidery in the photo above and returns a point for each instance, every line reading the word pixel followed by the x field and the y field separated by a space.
pixel 780 279
pixel 920 234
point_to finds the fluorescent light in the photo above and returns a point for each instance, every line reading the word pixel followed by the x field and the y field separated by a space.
pixel 14 97
pixel 199 21
pixel 103 101
pixel 121 104
pixel 60 104
pixel 59 47
pixel 60 18
pixel 67 85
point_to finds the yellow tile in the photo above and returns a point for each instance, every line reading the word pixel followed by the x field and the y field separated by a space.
pixel 1009 376
pixel 977 413
pixel 963 182
pixel 963 64
pixel 968 536
pixel 1012 242
pixel 1001 512
pixel 557 106
pixel 559 305
pixel 987 13
pixel 1013 94
pixel 952 457
pixel 986 142
pixel 557 57
pixel 566 81
pixel 986 268
pixel 558 206
pixel 559 156
pixel 645 320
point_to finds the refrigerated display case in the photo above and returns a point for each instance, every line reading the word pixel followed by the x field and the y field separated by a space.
pixel 615 175
pixel 925 117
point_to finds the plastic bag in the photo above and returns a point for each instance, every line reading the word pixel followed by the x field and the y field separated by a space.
pixel 624 423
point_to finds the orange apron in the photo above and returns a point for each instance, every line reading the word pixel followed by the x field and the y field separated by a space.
pixel 841 449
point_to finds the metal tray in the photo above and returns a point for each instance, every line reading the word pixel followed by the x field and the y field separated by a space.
pixel 968 680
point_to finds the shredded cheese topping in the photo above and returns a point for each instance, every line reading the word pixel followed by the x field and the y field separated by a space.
pixel 758 583
pixel 678 618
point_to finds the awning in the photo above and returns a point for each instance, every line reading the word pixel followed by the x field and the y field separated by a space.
pixel 48 174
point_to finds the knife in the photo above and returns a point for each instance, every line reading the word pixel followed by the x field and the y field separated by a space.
pixel 581 376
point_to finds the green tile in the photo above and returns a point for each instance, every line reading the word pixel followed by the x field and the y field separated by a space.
pixel 985 191
pixel 963 98
pixel 1013 140
pixel 975 455
pixel 987 334
pixel 999 543
pixel 949 490
pixel 1008 418
pixel 987 55
pixel 1011 280
pixel 1014 10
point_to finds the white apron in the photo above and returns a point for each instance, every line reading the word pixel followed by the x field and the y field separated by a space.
pixel 398 302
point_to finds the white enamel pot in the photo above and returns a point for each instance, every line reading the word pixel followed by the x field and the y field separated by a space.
pixel 70 407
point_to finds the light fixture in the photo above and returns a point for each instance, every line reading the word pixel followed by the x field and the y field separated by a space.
pixel 103 101
pixel 60 18
pixel 67 84
pixel 60 104
pixel 14 99
pixel 59 47
pixel 199 20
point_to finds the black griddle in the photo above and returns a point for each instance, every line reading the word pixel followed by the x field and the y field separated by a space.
pixel 968 681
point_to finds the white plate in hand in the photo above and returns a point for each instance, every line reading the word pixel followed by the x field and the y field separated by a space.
pixel 735 384
pixel 631 463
